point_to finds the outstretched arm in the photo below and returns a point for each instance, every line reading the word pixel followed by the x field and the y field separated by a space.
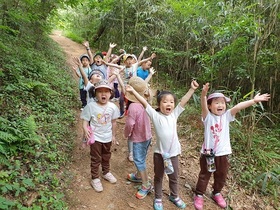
pixel 186 98
pixel 141 99
pixel 77 61
pixel 147 59
pixel 76 71
pixel 203 100
pixel 152 71
pixel 142 54
pixel 245 104
pixel 86 44
pixel 112 65
pixel 109 52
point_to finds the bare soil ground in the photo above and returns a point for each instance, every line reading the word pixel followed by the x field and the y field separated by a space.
pixel 121 196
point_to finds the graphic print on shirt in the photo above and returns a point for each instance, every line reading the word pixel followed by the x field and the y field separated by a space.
pixel 216 131
pixel 103 119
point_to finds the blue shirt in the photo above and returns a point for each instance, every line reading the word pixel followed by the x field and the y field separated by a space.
pixel 142 73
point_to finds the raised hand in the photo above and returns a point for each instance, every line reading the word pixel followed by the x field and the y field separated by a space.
pixel 129 88
pixel 77 61
pixel 152 70
pixel 86 44
pixel 112 45
pixel 153 55
pixel 205 89
pixel 194 84
pixel 263 97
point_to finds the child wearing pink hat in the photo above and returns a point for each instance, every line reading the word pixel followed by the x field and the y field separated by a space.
pixel 216 146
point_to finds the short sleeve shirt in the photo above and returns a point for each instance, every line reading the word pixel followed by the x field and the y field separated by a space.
pixel 142 73
pixel 102 68
pixel 166 130
pixel 130 72
pixel 100 118
pixel 216 133
pixel 137 124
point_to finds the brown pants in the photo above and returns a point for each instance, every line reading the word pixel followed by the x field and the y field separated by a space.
pixel 220 175
pixel 159 172
pixel 100 153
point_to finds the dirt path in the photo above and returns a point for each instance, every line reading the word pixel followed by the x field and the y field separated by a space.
pixel 121 196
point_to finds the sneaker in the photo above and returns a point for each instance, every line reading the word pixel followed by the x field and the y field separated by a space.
pixel 109 177
pixel 178 202
pixel 143 191
pixel 218 198
pixel 130 157
pixel 121 116
pixel 158 204
pixel 198 202
pixel 132 177
pixel 96 184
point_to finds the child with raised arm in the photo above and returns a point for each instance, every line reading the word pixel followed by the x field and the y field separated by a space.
pixel 164 120
pixel 216 146
pixel 83 67
pixel 101 115
pixel 97 60
pixel 138 131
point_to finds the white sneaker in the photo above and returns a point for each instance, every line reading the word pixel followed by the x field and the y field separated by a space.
pixel 96 184
pixel 109 177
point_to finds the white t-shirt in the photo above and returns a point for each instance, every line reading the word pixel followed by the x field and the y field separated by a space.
pixel 166 130
pixel 130 72
pixel 216 132
pixel 100 118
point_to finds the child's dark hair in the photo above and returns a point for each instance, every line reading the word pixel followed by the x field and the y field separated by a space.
pixel 91 92
pixel 163 93
pixel 127 104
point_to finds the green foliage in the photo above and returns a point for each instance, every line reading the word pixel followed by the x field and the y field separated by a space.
pixel 232 45
pixel 250 167
pixel 228 44
pixel 74 37
pixel 37 92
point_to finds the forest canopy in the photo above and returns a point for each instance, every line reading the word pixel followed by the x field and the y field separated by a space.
pixel 234 45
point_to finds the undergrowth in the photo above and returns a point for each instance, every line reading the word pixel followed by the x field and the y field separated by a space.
pixel 37 98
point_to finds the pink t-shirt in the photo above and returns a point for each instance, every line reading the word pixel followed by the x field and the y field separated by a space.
pixel 137 124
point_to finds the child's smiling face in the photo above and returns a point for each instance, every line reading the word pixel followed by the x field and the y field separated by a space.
pixel 218 106
pixel 167 104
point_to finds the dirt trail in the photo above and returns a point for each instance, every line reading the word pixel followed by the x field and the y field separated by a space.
pixel 121 196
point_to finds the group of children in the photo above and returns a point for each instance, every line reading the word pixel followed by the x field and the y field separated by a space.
pixel 99 117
